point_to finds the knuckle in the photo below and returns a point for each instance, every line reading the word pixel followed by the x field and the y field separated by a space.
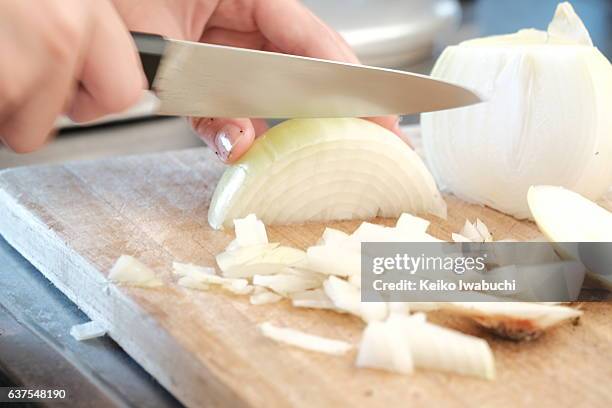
pixel 64 39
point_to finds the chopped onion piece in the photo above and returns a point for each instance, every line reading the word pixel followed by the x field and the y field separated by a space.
pixel 314 299
pixel 459 238
pixel 192 282
pixel 304 340
pixel 86 331
pixel 261 296
pixel 514 320
pixel 412 224
pixel 344 295
pixel 333 237
pixel 477 232
pixel 332 260
pixel 443 349
pixel 241 256
pixel 383 346
pixel 130 271
pixel 286 283
pixel 250 231
pixel 186 269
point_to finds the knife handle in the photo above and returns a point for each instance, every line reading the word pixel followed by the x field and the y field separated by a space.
pixel 151 49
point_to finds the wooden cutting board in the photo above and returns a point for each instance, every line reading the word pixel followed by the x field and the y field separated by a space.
pixel 72 222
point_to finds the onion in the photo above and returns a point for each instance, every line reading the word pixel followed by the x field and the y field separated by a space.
pixel 547 119
pixel 304 340
pixel 86 331
pixel 286 283
pixel 325 169
pixel 514 320
pixel 565 216
pixel 314 299
pixel 383 346
pixel 444 349
pixel 261 296
pixel 130 271
pixel 567 219
pixel 250 231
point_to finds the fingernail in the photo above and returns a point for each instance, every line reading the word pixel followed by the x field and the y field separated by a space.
pixel 226 139
pixel 398 123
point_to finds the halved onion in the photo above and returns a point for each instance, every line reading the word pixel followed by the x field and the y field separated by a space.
pixel 325 169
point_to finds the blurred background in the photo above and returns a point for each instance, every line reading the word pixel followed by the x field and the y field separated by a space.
pixel 401 34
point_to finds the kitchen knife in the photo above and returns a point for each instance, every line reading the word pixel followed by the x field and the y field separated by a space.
pixel 195 79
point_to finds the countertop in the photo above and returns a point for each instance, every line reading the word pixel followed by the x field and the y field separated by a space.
pixel 35 318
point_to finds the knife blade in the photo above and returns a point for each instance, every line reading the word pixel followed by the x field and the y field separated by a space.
pixel 196 79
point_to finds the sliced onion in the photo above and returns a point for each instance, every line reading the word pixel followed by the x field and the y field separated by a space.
pixel 262 296
pixel 565 216
pixel 325 169
pixel 515 320
pixel 304 340
pixel 444 349
pixel 241 256
pixel 286 283
pixel 87 331
pixel 130 271
pixel 568 219
pixel 384 347
pixel 315 299
pixel 250 231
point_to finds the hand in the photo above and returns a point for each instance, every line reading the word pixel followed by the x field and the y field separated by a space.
pixel 272 25
pixel 72 56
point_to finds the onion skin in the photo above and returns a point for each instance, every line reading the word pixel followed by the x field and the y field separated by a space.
pixel 325 169
pixel 547 119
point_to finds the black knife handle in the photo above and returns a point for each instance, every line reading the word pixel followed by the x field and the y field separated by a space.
pixel 151 50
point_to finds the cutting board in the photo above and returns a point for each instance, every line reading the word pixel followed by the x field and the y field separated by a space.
pixel 72 222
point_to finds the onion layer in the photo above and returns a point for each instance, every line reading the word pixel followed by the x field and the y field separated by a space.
pixel 325 169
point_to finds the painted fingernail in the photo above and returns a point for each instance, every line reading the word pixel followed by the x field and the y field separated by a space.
pixel 226 139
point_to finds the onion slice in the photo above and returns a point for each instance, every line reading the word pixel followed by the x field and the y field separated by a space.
pixel 514 320
pixel 325 169
pixel 304 340
pixel 130 271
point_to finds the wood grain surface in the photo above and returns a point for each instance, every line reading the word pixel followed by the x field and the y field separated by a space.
pixel 72 221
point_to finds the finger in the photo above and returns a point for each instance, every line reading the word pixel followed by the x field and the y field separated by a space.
pixel 294 29
pixel 229 138
pixel 112 77
pixel 393 124
pixel 29 125
pixel 221 36
pixel 260 126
